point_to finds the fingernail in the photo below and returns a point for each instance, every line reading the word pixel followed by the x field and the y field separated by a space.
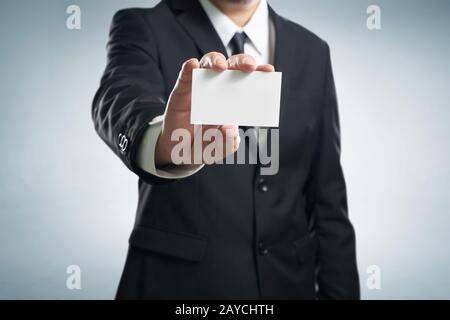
pixel 218 61
pixel 246 61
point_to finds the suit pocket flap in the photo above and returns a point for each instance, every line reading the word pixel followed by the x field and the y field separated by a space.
pixel 180 245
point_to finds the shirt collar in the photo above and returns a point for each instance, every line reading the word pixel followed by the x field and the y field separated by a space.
pixel 257 28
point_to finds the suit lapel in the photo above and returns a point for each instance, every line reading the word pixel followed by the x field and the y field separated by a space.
pixel 283 43
pixel 194 20
pixel 284 55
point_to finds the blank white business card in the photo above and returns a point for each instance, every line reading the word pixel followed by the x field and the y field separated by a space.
pixel 235 97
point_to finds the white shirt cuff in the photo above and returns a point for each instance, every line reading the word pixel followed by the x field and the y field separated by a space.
pixel 146 155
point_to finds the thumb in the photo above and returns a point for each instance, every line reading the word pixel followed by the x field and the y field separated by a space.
pixel 184 81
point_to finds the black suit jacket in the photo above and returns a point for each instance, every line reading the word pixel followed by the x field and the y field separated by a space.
pixel 227 232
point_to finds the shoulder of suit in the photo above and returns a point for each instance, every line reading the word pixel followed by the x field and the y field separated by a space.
pixel 160 8
pixel 304 35
pixel 143 17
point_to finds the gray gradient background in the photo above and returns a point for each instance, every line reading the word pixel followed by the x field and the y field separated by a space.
pixel 66 199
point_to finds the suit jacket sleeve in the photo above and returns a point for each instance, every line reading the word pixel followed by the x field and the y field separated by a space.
pixel 337 275
pixel 131 92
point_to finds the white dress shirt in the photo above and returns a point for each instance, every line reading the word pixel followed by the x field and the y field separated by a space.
pixel 260 44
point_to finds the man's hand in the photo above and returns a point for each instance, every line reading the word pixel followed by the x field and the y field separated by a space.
pixel 178 112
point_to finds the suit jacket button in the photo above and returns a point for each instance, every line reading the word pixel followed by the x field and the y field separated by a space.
pixel 262 185
pixel 263 250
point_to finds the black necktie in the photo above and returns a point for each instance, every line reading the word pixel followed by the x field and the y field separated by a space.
pixel 237 43
pixel 237 47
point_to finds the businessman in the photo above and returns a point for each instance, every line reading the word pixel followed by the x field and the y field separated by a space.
pixel 226 231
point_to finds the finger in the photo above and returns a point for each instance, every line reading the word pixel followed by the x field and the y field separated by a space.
pixel 214 60
pixel 230 129
pixel 243 62
pixel 265 68
pixel 232 138
pixel 184 82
